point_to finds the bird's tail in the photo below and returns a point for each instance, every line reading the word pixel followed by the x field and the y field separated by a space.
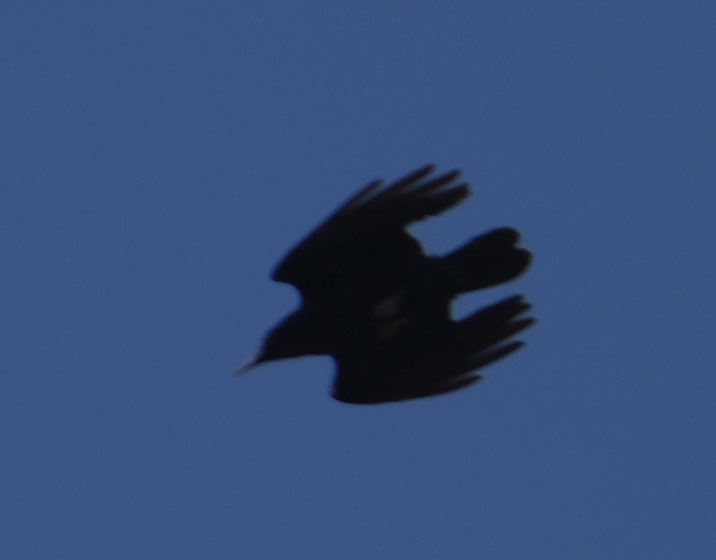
pixel 487 260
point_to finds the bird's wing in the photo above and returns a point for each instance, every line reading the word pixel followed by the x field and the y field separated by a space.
pixel 440 362
pixel 368 231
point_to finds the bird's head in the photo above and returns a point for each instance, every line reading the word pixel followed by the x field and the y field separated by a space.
pixel 295 336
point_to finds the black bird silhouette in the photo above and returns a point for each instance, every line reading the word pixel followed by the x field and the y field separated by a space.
pixel 374 301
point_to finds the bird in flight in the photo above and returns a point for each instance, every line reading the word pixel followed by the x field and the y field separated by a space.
pixel 375 302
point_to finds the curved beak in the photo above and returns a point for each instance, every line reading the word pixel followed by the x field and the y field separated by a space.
pixel 247 365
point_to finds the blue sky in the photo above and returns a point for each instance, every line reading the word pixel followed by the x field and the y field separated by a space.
pixel 159 157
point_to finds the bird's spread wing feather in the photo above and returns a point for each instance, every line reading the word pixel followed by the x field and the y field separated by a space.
pixel 444 362
pixel 368 232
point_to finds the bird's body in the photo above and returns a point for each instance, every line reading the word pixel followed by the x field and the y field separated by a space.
pixel 376 303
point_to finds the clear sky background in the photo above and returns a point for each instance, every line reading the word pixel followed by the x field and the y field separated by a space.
pixel 158 158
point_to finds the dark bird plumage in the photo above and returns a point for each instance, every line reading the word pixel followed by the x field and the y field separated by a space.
pixel 374 301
